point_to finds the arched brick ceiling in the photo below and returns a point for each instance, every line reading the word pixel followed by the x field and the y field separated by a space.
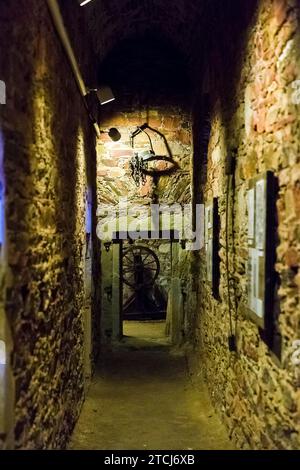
pixel 194 28
pixel 179 21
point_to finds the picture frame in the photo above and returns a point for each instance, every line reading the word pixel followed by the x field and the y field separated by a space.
pixel 261 277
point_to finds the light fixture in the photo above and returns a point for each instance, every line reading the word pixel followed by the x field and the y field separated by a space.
pixel 107 246
pixel 83 2
pixel 113 133
pixel 104 94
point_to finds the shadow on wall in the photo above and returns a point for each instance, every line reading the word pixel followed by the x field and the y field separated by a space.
pixel 147 163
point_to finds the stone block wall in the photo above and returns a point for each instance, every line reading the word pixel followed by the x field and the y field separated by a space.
pixel 114 176
pixel 49 161
pixel 255 114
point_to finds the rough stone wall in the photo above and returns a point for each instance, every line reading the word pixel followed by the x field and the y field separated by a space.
pixel 48 155
pixel 254 112
pixel 113 172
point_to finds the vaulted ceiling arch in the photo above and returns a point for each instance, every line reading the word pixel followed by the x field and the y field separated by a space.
pixel 180 22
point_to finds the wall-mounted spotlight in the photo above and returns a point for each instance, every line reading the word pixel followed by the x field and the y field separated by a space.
pixel 104 94
pixel 83 2
pixel 113 133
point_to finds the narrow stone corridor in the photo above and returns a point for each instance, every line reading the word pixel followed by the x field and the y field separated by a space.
pixel 149 184
pixel 142 397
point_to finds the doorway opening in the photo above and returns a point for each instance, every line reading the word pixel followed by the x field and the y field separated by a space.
pixel 146 274
pixel 146 277
pixel 138 282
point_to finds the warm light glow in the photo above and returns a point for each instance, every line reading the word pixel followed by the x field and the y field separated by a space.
pixel 84 2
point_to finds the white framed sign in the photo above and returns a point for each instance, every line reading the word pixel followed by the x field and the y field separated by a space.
pixel 260 272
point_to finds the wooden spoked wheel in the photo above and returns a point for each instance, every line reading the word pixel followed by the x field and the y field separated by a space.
pixel 140 267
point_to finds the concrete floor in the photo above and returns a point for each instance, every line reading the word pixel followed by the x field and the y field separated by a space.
pixel 141 397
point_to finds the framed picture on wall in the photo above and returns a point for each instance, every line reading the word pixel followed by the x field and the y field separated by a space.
pixel 261 249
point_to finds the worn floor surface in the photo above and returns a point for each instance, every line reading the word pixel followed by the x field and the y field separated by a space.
pixel 141 397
